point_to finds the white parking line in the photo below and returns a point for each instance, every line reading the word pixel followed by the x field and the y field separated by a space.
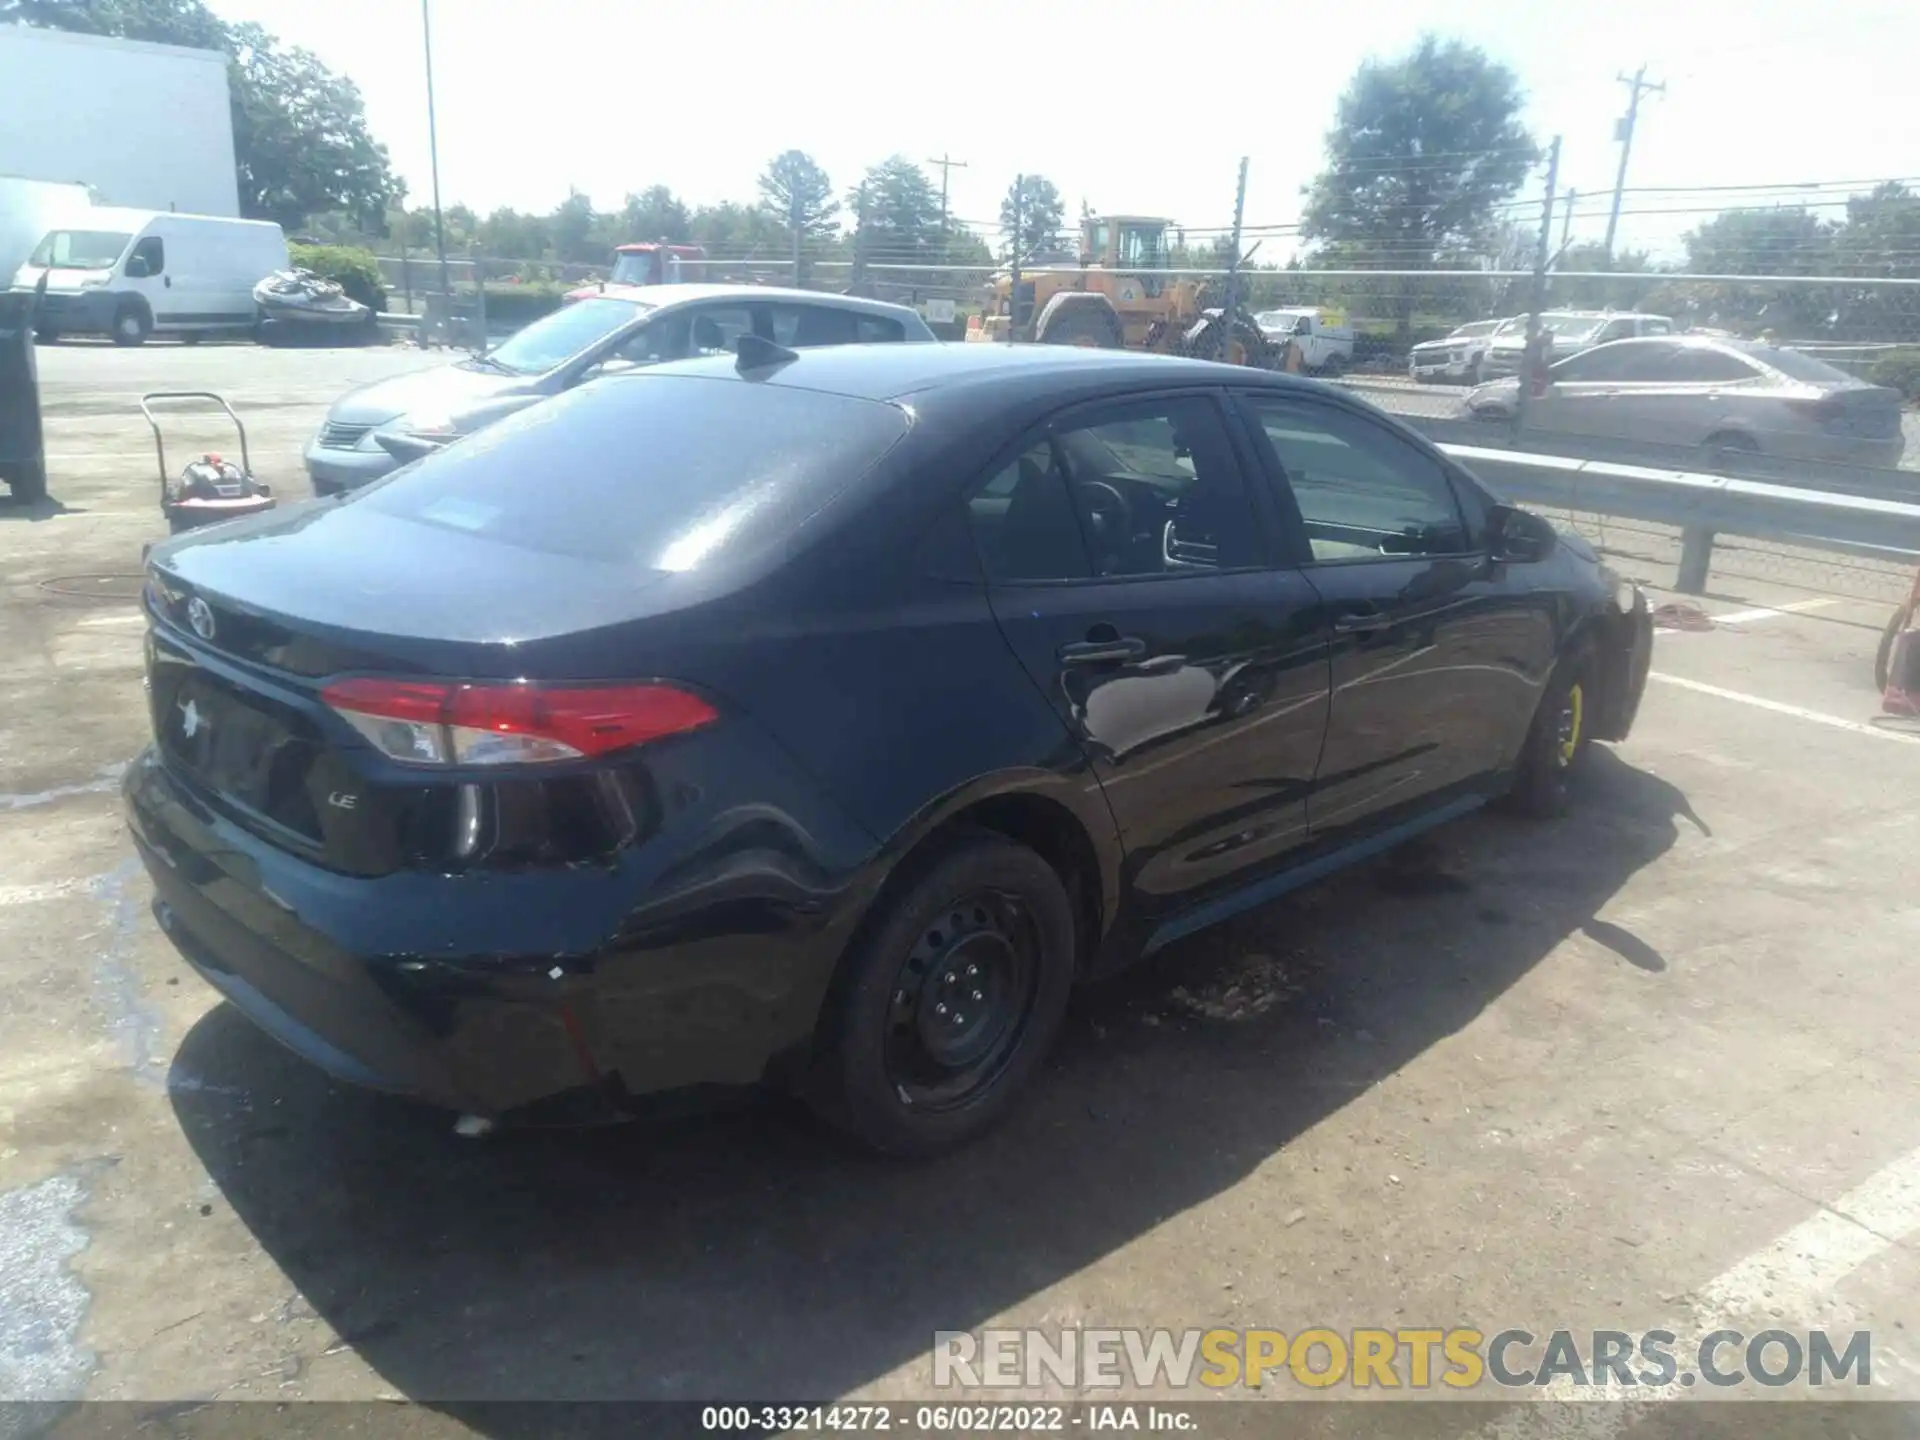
pixel 1799 712
pixel 1790 1281
pixel 1747 617
pixel 1767 612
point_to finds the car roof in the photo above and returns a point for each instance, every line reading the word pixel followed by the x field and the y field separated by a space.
pixel 663 297
pixel 895 372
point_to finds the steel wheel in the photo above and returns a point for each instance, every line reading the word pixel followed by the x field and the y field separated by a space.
pixel 961 1001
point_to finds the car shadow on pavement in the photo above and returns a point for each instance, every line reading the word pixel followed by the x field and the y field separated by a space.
pixel 749 1254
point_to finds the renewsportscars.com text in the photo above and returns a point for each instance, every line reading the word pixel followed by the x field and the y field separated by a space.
pixel 1399 1359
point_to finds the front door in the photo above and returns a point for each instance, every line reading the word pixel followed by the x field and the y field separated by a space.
pixel 1438 655
pixel 1130 569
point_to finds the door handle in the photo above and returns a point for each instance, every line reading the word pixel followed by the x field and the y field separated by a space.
pixel 1361 622
pixel 167 280
pixel 1102 652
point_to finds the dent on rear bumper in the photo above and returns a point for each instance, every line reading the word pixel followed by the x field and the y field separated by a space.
pixel 590 994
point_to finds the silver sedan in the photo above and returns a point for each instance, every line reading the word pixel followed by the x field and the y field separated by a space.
pixel 1706 393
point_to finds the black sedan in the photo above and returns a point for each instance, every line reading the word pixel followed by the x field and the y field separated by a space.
pixel 822 720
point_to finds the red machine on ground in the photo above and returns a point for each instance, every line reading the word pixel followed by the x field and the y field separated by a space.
pixel 1896 669
pixel 641 264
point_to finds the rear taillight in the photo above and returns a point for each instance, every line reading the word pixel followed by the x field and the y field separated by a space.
pixel 436 722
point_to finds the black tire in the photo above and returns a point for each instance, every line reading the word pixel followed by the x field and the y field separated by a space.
pixel 28 482
pixel 985 914
pixel 1883 657
pixel 131 325
pixel 1335 367
pixel 189 337
pixel 1556 742
pixel 1090 325
pixel 46 335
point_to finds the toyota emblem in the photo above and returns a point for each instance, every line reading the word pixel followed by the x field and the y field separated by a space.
pixel 200 616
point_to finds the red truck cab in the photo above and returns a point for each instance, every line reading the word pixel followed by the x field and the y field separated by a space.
pixel 641 264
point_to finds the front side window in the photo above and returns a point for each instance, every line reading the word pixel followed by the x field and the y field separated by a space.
pixel 80 249
pixel 633 268
pixel 1363 493
pixel 717 329
pixel 150 256
pixel 1148 488
pixel 1611 363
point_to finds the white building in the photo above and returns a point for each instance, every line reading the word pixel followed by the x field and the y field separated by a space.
pixel 145 126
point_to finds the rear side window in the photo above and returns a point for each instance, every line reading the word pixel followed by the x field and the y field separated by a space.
pixel 1797 366
pixel 1697 365
pixel 651 472
pixel 879 330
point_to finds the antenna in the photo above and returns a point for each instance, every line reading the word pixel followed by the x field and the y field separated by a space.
pixel 756 352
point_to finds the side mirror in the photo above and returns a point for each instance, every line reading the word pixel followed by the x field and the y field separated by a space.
pixel 1519 537
pixel 137 268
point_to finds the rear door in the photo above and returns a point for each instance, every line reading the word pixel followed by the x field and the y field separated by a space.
pixel 1677 394
pixel 1438 655
pixel 1132 567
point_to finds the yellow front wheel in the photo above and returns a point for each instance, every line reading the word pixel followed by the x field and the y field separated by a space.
pixel 1572 724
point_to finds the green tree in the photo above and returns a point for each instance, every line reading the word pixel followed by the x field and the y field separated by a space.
pixel 301 142
pixel 1040 213
pixel 1881 239
pixel 795 192
pixel 572 227
pixel 1424 151
pixel 656 213
pixel 899 214
pixel 732 231
pixel 1782 240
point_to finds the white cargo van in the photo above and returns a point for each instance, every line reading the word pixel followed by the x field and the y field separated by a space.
pixel 135 273
pixel 1323 338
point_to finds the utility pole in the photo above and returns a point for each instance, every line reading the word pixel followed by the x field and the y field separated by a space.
pixel 1531 358
pixel 1566 224
pixel 793 223
pixel 946 163
pixel 433 153
pixel 1227 302
pixel 1013 286
pixel 1623 132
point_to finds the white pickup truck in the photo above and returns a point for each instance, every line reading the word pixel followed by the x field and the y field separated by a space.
pixel 1323 337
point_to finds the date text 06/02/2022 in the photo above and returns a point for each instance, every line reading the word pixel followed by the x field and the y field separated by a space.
pixel 1401 1358
pixel 940 1419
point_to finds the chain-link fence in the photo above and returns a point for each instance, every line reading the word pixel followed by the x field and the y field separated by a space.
pixel 1795 358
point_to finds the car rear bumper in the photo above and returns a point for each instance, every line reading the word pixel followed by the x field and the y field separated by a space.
pixel 334 471
pixel 576 1018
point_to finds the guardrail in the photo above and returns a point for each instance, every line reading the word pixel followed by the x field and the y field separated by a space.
pixel 1701 506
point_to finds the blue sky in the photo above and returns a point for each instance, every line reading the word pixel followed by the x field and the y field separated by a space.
pixel 1136 107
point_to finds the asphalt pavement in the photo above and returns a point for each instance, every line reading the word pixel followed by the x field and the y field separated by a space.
pixel 1646 1067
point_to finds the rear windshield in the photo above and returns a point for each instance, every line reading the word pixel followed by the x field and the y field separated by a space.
pixel 654 472
pixel 1797 366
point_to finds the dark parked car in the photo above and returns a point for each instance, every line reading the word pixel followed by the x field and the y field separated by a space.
pixel 821 720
